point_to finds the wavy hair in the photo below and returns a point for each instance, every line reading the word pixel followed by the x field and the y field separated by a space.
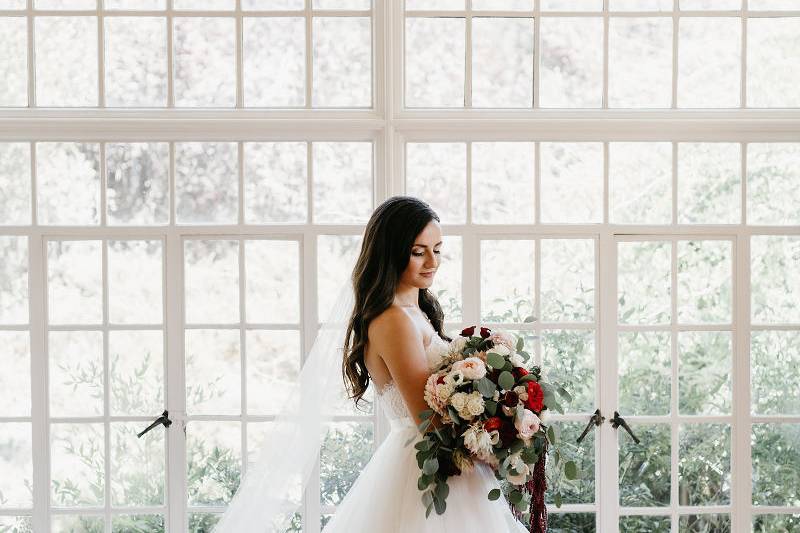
pixel 385 252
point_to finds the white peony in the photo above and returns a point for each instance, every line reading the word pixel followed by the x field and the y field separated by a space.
pixel 472 368
pixel 459 400
pixel 454 378
pixel 475 404
pixel 527 424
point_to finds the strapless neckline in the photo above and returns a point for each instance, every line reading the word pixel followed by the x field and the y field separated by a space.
pixel 390 385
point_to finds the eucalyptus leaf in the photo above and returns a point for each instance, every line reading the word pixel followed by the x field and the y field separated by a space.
pixel 495 360
pixel 557 499
pixel 506 380
pixel 494 494
pixel 570 470
pixel 430 466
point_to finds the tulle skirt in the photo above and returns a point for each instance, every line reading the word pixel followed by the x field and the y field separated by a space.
pixel 385 497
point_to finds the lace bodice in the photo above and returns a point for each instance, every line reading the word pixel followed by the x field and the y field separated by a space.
pixel 389 396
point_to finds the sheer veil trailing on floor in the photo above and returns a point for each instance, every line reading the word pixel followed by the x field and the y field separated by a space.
pixel 271 489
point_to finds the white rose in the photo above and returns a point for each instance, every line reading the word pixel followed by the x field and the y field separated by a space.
pixel 457 344
pixel 472 368
pixel 475 404
pixel 502 349
pixel 458 400
pixel 527 424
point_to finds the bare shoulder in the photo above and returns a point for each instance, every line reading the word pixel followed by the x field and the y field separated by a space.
pixel 393 329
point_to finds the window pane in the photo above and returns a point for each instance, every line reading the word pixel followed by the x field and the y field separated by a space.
pixel 135 271
pixel 434 62
pixel 571 62
pixel 579 490
pixel 15 380
pixel 709 62
pixel 775 364
pixel 13 280
pixel 571 5
pixel 710 4
pixel 774 263
pixel 275 182
pixel 76 373
pixel 74 282
pixel 640 182
pixel 342 181
pixel 336 257
pixel 68 170
pixel 13 62
pixel 272 270
pixel 633 42
pixel 273 4
pixel 567 280
pixel 136 372
pixel 640 5
pixel 136 61
pixel 16 463
pixel 342 4
pixel 213 372
pixel 644 372
pixel 643 284
pixel 705 281
pixel 273 368
pixel 502 62
pixel 709 183
pixel 704 368
pixel 212 281
pixel 776 461
pixel 773 171
pixel 205 5
pixel 447 281
pixel 498 167
pixel 134 4
pixel 65 4
pixel 342 62
pixel 569 357
pixel 66 61
pixel 206 182
pixel 77 472
pixel 571 182
pixel 137 190
pixel 494 5
pixel 346 448
pixel 704 464
pixel 214 457
pixel 437 172
pixel 644 475
pixel 773 64
pixel 507 280
pixel 15 182
pixel 274 62
pixel 205 74
pixel 434 4
pixel 138 465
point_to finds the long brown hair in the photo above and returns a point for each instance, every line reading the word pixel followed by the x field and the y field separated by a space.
pixel 385 251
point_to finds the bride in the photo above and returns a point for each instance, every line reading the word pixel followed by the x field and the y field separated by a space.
pixel 393 337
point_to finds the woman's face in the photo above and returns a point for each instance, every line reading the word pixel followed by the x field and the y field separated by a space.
pixel 424 259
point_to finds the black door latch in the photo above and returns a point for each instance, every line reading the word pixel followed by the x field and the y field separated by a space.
pixel 596 420
pixel 619 421
pixel 163 419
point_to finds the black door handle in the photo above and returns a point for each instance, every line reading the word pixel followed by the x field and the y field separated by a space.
pixel 163 419
pixel 596 420
pixel 619 421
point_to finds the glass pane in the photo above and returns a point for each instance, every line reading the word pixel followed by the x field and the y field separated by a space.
pixel 138 466
pixel 644 372
pixel 498 167
pixel 213 372
pixel 205 52
pixel 214 462
pixel 753 5
pixel 65 4
pixel 77 458
pixel 137 192
pixel 569 522
pixel 571 175
pixel 206 182
pixel 435 52
pixel 13 280
pixel 709 62
pixel 644 524
pixel 640 5
pixel 73 523
pixel 709 183
pixel 633 42
pixel 775 372
pixel 134 4
pixel 644 471
pixel 773 170
pixel 571 62
pixel 704 522
pixel 494 5
pixel 342 57
pixel 567 280
pixel 571 5
pixel 15 179
pixel 76 373
pixel 134 281
pixel 775 450
pixel 774 262
pixel 212 281
pixel 274 62
pixel 643 283
pixel 640 182
pixel 773 66
pixel 136 61
pixel 16 463
pixel 206 5
pixel 273 4
pixel 202 522
pixel 704 372
pixel 275 182
pixel 767 523
pixel 502 62
pixel 74 282
pixel 446 284
pixel 568 356
pixel 346 449
pixel 152 523
pixel 437 172
pixel 507 280
pixel 342 181
pixel 273 281
pixel 580 490
pixel 66 61
pixel 136 373
pixel 13 62
pixel 15 380
pixel 704 464
pixel 434 4
pixel 68 170
pixel 336 257
pixel 17 524
pixel 342 4
pixel 710 4
pixel 12 4
pixel 705 281
pixel 273 367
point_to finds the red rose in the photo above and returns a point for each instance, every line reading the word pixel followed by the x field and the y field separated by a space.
pixel 535 400
pixel 518 372
pixel 492 423
pixel 467 332
pixel 510 399
pixel 485 332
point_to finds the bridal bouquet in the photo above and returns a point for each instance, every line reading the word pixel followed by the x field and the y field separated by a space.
pixel 492 405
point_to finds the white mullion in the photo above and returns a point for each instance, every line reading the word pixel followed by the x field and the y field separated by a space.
pixel 469 182
pixel 743 51
pixel 31 56
pixel 741 460
pixel 239 51
pixel 468 56
pixel 101 70
pixel 606 33
pixel 607 483
pixel 243 352
pixel 37 287
pixel 309 54
pixel 674 423
pixel 675 31
pixel 170 57
pixel 106 394
pixel 537 46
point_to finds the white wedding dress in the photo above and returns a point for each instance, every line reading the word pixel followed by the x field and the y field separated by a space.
pixel 385 497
